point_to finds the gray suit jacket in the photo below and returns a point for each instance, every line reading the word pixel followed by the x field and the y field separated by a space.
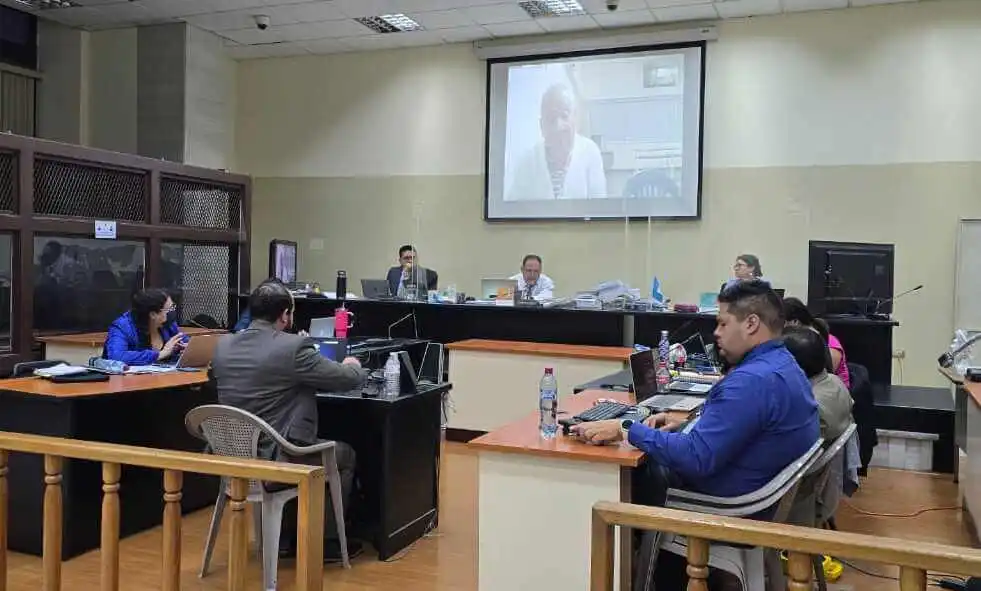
pixel 276 375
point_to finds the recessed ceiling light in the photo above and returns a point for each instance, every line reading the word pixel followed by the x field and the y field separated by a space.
pixel 48 4
pixel 540 8
pixel 389 23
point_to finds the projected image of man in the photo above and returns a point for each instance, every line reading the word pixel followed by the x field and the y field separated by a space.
pixel 564 164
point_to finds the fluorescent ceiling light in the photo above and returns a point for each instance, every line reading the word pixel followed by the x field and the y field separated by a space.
pixel 389 23
pixel 540 8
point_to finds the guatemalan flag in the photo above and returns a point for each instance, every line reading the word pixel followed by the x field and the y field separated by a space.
pixel 656 294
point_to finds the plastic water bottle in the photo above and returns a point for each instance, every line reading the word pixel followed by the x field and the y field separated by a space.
pixel 548 398
pixel 108 365
pixel 663 355
pixel 392 372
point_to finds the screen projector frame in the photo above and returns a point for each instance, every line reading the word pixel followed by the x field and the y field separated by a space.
pixel 611 51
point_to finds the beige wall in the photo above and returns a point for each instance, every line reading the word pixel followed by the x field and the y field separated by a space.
pixel 853 125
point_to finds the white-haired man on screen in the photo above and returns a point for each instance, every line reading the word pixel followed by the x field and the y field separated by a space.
pixel 564 165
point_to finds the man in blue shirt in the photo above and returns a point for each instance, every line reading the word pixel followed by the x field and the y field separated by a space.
pixel 755 421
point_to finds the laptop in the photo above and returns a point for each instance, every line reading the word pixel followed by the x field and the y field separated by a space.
pixel 322 328
pixel 498 289
pixel 643 371
pixel 198 352
pixel 431 368
pixel 376 289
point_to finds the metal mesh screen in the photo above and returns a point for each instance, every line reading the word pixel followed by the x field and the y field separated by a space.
pixel 8 170
pixel 76 190
pixel 202 205
pixel 198 277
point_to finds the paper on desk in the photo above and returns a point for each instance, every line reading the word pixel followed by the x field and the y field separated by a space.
pixel 135 369
pixel 62 369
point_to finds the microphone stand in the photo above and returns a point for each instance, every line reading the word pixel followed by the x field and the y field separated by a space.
pixel 415 325
pixel 875 313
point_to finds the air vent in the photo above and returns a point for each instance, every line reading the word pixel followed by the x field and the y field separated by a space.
pixel 389 23
pixel 543 8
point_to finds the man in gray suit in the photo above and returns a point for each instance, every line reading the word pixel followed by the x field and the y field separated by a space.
pixel 276 375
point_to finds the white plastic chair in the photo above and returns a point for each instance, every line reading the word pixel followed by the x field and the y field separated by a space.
pixel 231 431
pixel 746 563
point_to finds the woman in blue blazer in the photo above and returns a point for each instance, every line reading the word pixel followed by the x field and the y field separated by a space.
pixel 148 333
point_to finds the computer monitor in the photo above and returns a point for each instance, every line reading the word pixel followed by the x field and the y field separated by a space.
pixel 282 260
pixel 850 278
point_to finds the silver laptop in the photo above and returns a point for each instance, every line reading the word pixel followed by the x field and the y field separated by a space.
pixel 322 328
pixel 492 289
pixel 198 352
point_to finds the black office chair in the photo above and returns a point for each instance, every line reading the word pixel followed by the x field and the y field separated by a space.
pixel 863 410
pixel 205 321
pixel 26 368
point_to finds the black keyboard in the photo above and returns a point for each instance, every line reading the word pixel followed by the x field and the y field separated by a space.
pixel 604 411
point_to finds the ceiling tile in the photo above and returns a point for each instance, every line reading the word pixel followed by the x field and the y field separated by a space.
pixel 224 21
pixel 259 51
pixel 356 8
pixel 306 12
pixel 567 23
pixel 253 36
pixel 79 17
pixel 442 19
pixel 320 30
pixel 624 18
pixel 599 6
pixel 391 40
pixel 528 27
pixel 497 13
pixel 322 46
pixel 741 8
pixel 803 5
pixel 464 34
pixel 858 3
pixel 695 12
pixel 671 3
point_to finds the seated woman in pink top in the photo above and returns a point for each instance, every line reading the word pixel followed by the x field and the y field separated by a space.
pixel 796 313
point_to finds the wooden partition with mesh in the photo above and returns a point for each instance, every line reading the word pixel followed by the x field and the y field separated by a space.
pixel 178 227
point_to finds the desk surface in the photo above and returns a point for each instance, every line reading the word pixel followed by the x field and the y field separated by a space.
pixel 543 349
pixel 521 437
pixel 97 339
pixel 115 385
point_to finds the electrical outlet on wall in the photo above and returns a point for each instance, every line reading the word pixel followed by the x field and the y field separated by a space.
pixel 316 244
pixel 899 354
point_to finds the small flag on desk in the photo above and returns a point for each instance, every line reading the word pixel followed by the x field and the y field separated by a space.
pixel 656 294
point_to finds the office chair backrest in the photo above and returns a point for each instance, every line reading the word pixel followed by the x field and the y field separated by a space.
pixel 779 489
pixel 26 368
pixel 229 431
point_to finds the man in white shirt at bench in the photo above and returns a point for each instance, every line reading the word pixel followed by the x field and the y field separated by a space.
pixel 532 283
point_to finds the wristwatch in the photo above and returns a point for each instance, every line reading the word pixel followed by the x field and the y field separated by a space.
pixel 625 425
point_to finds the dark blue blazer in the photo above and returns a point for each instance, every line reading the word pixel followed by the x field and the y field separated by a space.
pixel 123 342
pixel 395 275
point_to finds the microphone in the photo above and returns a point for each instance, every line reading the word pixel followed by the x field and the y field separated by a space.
pixel 415 325
pixel 875 312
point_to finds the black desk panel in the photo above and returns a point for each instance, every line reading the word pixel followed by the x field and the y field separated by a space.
pixel 153 418
pixel 397 444
pixel 448 323
pixel 867 342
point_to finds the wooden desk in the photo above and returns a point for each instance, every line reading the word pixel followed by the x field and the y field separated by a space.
pixel 142 410
pixel 535 500
pixel 496 382
pixel 78 348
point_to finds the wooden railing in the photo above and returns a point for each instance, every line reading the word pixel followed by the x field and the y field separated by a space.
pixel 310 506
pixel 801 543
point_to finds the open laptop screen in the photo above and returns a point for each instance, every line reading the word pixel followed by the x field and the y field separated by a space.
pixel 643 371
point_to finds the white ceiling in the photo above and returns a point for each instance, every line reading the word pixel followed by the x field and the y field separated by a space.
pixel 301 27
